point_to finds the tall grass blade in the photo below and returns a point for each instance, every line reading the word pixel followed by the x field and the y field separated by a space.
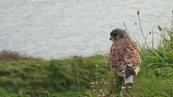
pixel 127 30
pixel 152 39
pixel 77 75
pixel 140 24
pixel 172 22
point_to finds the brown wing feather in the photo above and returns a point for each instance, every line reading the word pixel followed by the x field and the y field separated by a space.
pixel 124 52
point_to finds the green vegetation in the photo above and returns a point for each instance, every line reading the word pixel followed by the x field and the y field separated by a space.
pixel 78 77
pixel 156 75
pixel 25 77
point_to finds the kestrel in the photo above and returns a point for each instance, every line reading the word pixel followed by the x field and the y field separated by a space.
pixel 124 56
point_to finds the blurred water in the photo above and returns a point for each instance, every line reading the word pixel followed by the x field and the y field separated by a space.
pixel 57 29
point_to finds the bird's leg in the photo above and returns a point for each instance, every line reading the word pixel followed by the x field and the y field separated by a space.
pixel 128 81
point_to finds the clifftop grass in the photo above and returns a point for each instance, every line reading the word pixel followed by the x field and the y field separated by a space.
pixel 78 77
pixel 25 77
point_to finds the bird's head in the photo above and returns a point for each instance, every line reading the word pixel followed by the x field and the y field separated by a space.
pixel 118 34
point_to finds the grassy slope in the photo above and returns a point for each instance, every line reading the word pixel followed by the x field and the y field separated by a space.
pixel 151 84
pixel 60 78
pixel 30 77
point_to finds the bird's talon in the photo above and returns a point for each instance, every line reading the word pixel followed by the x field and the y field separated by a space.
pixel 129 85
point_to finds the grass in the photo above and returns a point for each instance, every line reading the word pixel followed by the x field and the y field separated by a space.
pixel 156 75
pixel 22 76
pixel 79 77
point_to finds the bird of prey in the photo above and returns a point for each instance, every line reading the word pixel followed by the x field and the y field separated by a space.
pixel 124 56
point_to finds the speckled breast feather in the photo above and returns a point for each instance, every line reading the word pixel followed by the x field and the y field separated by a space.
pixel 124 52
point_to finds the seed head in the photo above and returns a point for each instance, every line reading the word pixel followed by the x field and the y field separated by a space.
pixel 160 28
pixel 138 13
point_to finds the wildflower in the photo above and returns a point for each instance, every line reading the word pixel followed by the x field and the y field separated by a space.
pixel 123 88
pixel 97 65
pixel 107 92
pixel 100 90
pixel 97 73
pixel 93 86
pixel 92 83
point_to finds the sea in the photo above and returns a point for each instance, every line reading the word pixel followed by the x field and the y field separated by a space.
pixel 61 29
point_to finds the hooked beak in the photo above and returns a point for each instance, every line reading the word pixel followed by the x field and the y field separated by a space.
pixel 110 38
